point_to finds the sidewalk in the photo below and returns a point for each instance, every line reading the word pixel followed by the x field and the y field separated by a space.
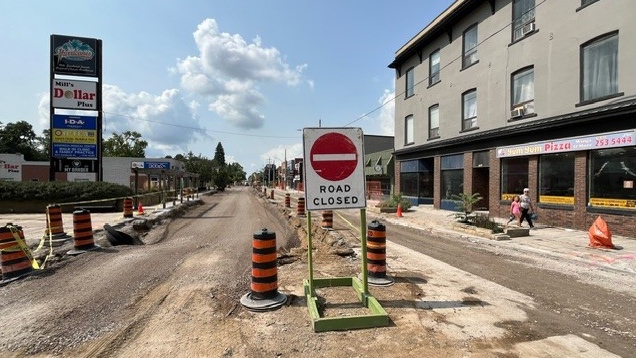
pixel 544 240
pixel 34 225
pixel 555 242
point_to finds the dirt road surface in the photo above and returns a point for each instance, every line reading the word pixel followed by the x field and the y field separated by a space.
pixel 178 295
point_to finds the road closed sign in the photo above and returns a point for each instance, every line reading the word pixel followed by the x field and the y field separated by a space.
pixel 334 168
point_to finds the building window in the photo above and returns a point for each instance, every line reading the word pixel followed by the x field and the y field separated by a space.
pixel 416 179
pixel 433 68
pixel 469 110
pixel 452 179
pixel 433 121
pixel 470 47
pixel 410 82
pixel 612 178
pixel 522 92
pixel 408 130
pixel 514 177
pixel 522 18
pixel 556 178
pixel 599 69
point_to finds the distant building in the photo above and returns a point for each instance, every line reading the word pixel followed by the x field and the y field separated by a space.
pixel 497 96
pixel 142 174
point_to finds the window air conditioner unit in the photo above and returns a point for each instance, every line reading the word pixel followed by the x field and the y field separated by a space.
pixel 517 112
pixel 526 29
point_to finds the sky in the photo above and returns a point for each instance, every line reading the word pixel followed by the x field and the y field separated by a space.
pixel 189 74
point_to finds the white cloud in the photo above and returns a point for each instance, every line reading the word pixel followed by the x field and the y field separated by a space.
pixel 278 154
pixel 165 121
pixel 387 113
pixel 227 72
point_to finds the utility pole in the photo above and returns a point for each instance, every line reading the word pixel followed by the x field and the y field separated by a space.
pixel 285 172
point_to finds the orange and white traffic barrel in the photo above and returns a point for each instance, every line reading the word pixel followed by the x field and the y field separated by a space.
pixel 128 207
pixel 300 208
pixel 54 223
pixel 327 219
pixel 83 239
pixel 376 254
pixel 14 259
pixel 264 293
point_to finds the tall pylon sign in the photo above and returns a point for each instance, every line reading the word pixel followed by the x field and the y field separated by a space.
pixel 76 108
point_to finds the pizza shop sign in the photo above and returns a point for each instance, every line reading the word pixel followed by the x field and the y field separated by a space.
pixel 334 171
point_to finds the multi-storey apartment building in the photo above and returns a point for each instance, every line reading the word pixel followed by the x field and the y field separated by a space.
pixel 495 96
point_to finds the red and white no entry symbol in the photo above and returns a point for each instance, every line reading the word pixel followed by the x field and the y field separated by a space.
pixel 334 156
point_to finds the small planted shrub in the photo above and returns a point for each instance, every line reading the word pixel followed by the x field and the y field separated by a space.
pixel 465 203
pixel 393 202
pixel 484 221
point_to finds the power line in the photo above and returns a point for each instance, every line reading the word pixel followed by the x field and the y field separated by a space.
pixel 194 128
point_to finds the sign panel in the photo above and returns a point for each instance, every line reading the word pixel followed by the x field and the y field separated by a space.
pixel 150 165
pixel 75 56
pixel 61 121
pixel 74 136
pixel 334 168
pixel 76 166
pixel 599 141
pixel 68 150
pixel 74 94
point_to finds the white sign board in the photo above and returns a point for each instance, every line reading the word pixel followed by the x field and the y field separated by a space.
pixel 74 94
pixel 334 168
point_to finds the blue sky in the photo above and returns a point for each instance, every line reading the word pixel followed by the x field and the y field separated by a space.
pixel 190 74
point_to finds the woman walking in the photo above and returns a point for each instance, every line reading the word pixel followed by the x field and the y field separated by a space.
pixel 526 208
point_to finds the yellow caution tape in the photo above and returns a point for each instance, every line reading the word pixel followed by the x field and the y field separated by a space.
pixel 23 246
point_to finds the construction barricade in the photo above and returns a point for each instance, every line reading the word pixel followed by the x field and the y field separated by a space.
pixel 287 200
pixel 264 293
pixel 128 207
pixel 300 208
pixel 83 239
pixel 376 254
pixel 16 260
pixel 327 219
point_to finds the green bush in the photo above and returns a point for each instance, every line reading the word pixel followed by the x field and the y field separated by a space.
pixel 393 202
pixel 62 192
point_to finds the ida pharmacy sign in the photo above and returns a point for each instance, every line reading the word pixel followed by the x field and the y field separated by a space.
pixel 334 168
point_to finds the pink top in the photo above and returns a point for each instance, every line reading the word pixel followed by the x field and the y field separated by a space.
pixel 514 207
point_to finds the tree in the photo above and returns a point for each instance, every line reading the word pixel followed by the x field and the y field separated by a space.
pixel 235 172
pixel 219 155
pixel 19 138
pixel 127 144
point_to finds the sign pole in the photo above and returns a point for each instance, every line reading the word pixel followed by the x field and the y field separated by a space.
pixel 310 259
pixel 363 240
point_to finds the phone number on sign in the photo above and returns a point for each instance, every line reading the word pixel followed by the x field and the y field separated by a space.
pixel 604 142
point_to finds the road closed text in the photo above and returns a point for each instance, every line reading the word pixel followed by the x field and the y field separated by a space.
pixel 335 195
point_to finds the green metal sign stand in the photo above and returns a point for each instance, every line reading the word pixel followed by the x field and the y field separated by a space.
pixel 377 316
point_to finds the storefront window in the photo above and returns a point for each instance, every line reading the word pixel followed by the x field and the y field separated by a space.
pixel 556 179
pixel 514 177
pixel 452 167
pixel 416 178
pixel 408 184
pixel 612 177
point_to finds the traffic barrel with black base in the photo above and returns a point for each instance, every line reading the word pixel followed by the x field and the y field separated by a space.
pixel 287 200
pixel 14 255
pixel 83 239
pixel 376 254
pixel 264 293
pixel 55 225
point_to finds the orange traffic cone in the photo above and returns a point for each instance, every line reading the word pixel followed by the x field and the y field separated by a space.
pixel 399 211
pixel 140 209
